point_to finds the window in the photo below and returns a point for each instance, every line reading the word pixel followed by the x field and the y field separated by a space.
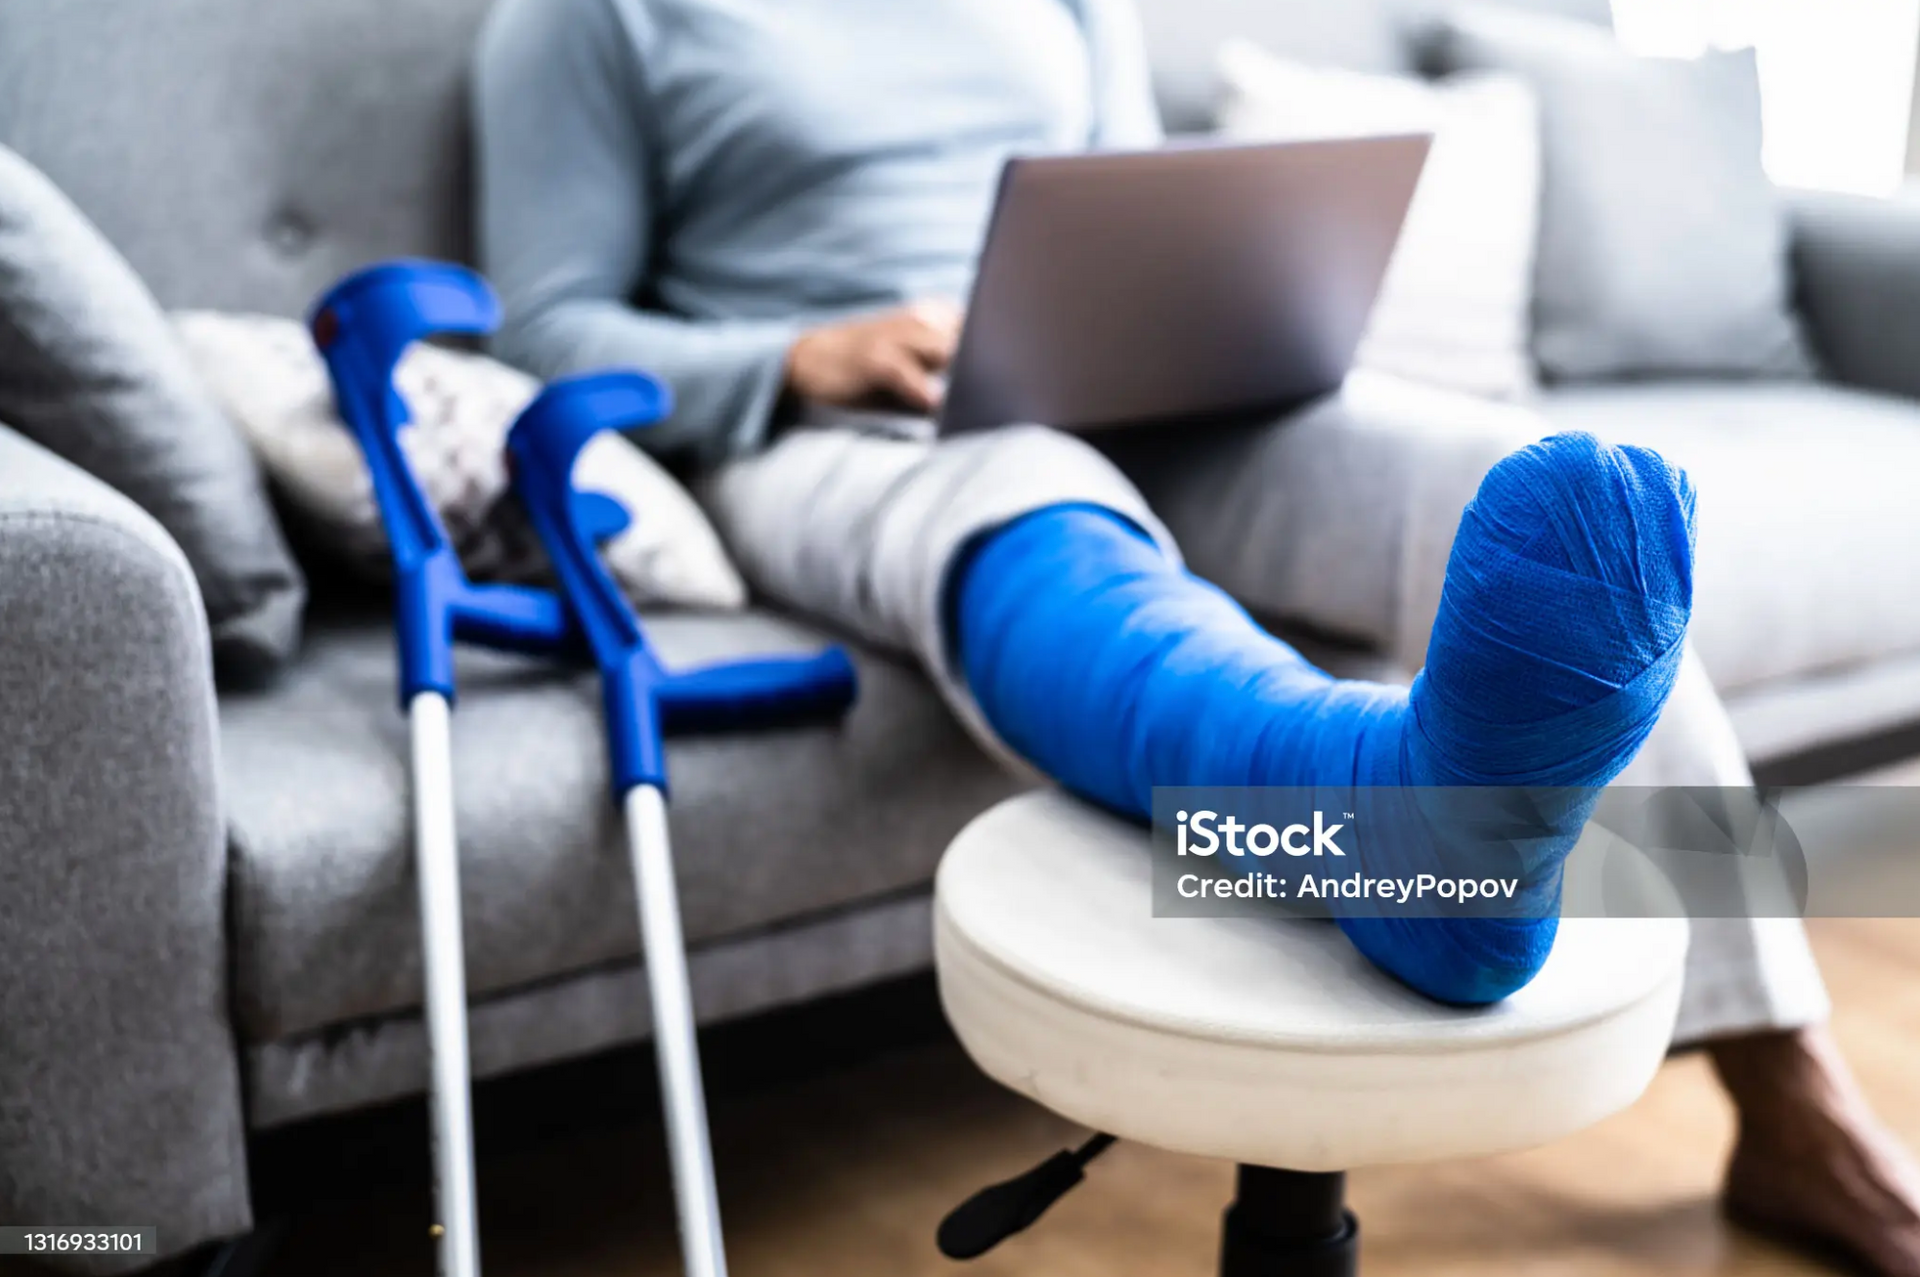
pixel 1836 77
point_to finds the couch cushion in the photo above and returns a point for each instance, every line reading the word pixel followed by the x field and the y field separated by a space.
pixel 385 1057
pixel 244 154
pixel 1809 552
pixel 90 370
pixel 1663 246
pixel 769 826
pixel 1183 37
pixel 1598 12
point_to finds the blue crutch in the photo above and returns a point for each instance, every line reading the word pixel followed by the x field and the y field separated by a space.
pixel 362 325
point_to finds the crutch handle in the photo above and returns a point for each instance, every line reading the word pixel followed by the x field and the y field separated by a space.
pixel 641 696
pixel 362 325
pixel 768 688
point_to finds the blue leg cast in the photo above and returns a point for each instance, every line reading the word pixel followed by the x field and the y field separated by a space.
pixel 1557 642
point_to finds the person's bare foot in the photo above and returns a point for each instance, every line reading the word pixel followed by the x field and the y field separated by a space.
pixel 1812 1164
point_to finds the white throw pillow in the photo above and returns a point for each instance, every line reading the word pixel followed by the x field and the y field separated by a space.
pixel 1455 309
pixel 273 382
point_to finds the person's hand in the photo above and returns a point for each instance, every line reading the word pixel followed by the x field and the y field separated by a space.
pixel 894 357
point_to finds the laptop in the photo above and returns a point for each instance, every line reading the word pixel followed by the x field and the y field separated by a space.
pixel 1189 282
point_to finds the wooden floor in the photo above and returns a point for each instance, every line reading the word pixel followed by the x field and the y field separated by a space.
pixel 846 1174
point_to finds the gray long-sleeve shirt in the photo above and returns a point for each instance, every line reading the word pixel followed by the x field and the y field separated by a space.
pixel 683 185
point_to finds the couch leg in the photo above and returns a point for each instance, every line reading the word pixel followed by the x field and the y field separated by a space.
pixel 1289 1224
pixel 243 1256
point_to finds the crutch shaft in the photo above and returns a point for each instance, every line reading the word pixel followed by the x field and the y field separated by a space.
pixel 675 1043
pixel 437 866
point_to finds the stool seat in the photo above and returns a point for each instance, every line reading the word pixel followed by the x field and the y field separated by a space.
pixel 1270 1042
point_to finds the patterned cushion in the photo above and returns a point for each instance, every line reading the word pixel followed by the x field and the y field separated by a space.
pixel 272 380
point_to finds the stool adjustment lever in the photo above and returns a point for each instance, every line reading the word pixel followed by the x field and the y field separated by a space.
pixel 998 1211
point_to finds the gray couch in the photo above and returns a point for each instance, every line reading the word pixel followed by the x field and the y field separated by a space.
pixel 206 920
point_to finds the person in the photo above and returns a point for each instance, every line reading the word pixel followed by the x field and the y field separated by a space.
pixel 773 205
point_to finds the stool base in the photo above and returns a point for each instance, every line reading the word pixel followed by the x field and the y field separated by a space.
pixel 1289 1224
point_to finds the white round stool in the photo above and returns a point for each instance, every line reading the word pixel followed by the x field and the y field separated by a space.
pixel 1269 1042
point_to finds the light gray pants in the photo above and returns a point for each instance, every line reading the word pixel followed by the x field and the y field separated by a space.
pixel 1314 517
pixel 862 529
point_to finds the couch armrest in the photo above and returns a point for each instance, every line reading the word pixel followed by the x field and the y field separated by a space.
pixel 119 1080
pixel 1857 267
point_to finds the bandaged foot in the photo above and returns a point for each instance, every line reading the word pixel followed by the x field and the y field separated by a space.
pixel 1558 639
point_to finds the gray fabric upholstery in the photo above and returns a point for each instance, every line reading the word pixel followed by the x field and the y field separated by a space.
pixel 244 154
pixel 1342 517
pixel 770 826
pixel 1339 517
pixel 1663 247
pixel 1413 13
pixel 119 1090
pixel 1829 707
pixel 1183 36
pixel 1809 542
pixel 1857 261
pixel 368 1061
pixel 90 369
pixel 1361 35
